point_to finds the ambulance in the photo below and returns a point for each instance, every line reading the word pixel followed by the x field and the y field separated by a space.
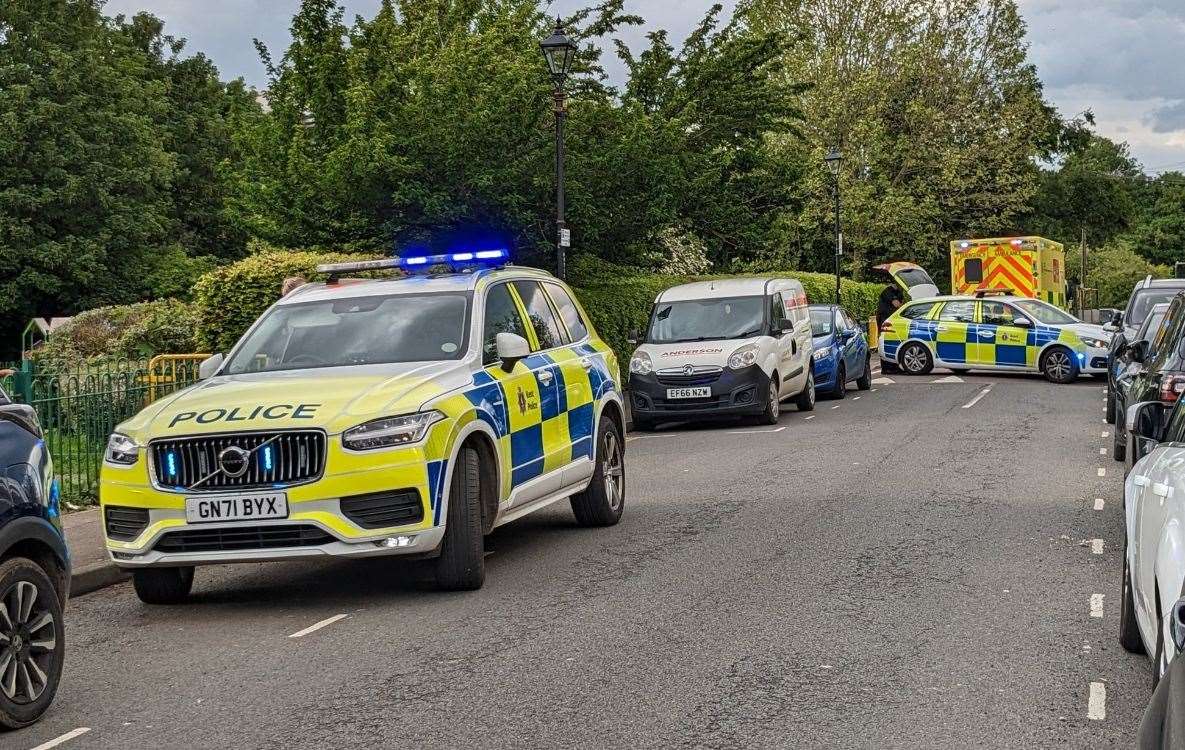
pixel 363 417
pixel 1032 267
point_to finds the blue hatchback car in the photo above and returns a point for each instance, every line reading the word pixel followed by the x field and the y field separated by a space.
pixel 841 351
pixel 34 570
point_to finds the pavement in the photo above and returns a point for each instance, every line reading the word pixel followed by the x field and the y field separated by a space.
pixel 919 566
pixel 90 565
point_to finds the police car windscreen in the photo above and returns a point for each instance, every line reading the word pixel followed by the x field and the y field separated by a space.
pixel 357 331
pixel 1046 314
pixel 706 319
pixel 820 322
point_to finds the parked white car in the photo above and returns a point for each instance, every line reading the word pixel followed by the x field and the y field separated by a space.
pixel 729 347
pixel 1154 544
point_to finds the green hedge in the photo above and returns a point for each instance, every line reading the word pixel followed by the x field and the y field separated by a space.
pixel 137 331
pixel 229 299
pixel 622 304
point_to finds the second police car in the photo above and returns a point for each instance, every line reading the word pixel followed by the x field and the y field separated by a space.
pixel 992 332
pixel 374 417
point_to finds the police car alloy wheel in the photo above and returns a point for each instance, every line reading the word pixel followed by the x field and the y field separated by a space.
pixel 1058 366
pixel 603 501
pixel 32 642
pixel 461 564
pixel 916 359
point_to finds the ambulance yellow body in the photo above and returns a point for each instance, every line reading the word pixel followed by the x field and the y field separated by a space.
pixel 1031 267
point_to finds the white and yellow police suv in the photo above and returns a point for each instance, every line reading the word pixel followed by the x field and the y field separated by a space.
pixel 405 416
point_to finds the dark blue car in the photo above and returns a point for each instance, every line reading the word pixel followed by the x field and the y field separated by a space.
pixel 841 351
pixel 34 570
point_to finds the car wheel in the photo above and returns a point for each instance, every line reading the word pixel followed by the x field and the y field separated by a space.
pixel 603 501
pixel 805 401
pixel 163 585
pixel 915 359
pixel 1058 366
pixel 864 382
pixel 1129 629
pixel 461 564
pixel 1110 415
pixel 840 389
pixel 1118 444
pixel 35 644
pixel 1159 660
pixel 773 406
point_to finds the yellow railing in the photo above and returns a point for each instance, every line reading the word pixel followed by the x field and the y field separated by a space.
pixel 873 332
pixel 167 372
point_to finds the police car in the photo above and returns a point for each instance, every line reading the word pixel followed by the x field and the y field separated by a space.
pixel 992 331
pixel 355 418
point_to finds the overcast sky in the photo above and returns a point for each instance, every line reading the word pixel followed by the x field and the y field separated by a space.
pixel 1120 58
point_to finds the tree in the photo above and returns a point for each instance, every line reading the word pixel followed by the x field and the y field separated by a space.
pixel 84 171
pixel 1091 192
pixel 937 112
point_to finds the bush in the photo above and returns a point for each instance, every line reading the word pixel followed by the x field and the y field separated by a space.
pixel 230 298
pixel 621 303
pixel 1114 271
pixel 134 331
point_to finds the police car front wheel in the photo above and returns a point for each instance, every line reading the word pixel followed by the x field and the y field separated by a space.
pixel 461 564
pixel 1058 366
pixel 915 359
pixel 163 585
pixel 603 501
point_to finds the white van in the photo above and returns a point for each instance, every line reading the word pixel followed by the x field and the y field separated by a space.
pixel 729 347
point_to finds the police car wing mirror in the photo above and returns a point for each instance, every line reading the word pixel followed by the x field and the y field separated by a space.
pixel 1022 322
pixel 511 348
pixel 209 366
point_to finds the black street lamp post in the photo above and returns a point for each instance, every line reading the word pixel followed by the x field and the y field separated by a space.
pixel 559 50
pixel 833 159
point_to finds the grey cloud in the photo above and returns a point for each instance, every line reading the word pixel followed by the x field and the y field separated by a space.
pixel 1168 118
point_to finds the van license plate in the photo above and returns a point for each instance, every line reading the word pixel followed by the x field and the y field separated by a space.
pixel 703 392
pixel 236 507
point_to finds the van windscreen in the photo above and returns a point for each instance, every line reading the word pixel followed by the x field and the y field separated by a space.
pixel 707 319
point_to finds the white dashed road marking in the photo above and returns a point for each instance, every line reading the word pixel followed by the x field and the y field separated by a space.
pixel 884 381
pixel 1098 503
pixel 1102 451
pixel 317 626
pixel 1096 546
pixel 856 398
pixel 1106 434
pixel 755 432
pixel 1096 705
pixel 1096 605
pixel 949 379
pixel 1102 472
pixel 811 416
pixel 835 407
pixel 976 400
pixel 64 738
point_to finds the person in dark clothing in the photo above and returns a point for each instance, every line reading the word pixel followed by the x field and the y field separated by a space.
pixel 890 299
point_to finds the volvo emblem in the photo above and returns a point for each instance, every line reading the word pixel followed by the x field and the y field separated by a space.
pixel 688 369
pixel 234 461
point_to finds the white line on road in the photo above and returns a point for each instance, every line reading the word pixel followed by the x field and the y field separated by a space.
pixel 64 738
pixel 1102 451
pixel 855 398
pixel 317 626
pixel 1102 472
pixel 835 407
pixel 1098 503
pixel 873 391
pixel 1096 605
pixel 884 381
pixel 975 400
pixel 811 416
pixel 1096 546
pixel 755 432
pixel 1096 705
pixel 1106 434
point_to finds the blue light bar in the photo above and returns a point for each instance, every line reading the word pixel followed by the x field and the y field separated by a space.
pixel 449 258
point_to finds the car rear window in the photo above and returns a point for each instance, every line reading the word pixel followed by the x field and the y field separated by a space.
pixel 917 311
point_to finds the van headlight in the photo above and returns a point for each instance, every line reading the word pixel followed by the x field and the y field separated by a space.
pixel 389 432
pixel 744 357
pixel 641 364
pixel 121 449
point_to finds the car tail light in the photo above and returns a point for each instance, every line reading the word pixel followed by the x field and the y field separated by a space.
pixel 1171 387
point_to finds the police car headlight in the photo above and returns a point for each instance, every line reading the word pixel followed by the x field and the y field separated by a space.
pixel 390 431
pixel 121 449
pixel 821 354
pixel 641 364
pixel 744 357
pixel 1094 343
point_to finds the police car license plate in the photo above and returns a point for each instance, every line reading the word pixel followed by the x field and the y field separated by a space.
pixel 236 507
pixel 703 392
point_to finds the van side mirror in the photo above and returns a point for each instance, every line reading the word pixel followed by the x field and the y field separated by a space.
pixel 210 365
pixel 511 348
pixel 784 325
pixel 634 337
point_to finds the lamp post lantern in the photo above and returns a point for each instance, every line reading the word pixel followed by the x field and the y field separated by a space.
pixel 833 159
pixel 559 50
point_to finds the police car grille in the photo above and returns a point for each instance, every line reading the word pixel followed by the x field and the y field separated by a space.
pixel 276 458
pixel 241 538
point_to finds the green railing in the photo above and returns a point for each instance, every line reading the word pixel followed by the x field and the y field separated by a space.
pixel 79 407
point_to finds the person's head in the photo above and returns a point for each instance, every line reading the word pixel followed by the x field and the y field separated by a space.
pixel 291 284
pixel 896 301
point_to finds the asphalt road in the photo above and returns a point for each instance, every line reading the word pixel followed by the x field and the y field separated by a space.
pixel 898 570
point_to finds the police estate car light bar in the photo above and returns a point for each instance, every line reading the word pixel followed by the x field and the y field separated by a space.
pixel 413 262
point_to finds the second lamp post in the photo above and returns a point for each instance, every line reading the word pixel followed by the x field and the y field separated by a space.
pixel 559 50
pixel 833 159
